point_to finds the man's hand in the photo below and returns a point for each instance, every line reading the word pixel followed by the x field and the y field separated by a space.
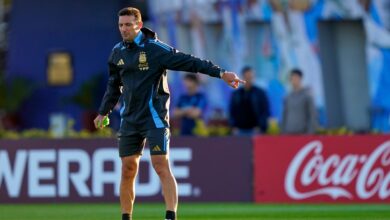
pixel 232 79
pixel 194 112
pixel 191 112
pixel 99 121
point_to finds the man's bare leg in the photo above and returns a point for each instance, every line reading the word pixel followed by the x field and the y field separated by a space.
pixel 168 181
pixel 127 189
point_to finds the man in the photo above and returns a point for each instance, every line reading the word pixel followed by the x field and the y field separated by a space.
pixel 249 108
pixel 137 69
pixel 299 115
pixel 190 105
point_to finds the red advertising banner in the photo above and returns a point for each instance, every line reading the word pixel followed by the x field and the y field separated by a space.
pixel 322 169
pixel 206 169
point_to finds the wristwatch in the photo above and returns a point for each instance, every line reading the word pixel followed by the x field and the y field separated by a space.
pixel 221 73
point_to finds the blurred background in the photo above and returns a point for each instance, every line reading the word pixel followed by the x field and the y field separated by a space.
pixel 53 67
pixel 311 125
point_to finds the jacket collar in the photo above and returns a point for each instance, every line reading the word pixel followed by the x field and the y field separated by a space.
pixel 143 35
pixel 138 38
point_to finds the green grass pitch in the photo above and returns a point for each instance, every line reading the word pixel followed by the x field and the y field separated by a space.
pixel 197 211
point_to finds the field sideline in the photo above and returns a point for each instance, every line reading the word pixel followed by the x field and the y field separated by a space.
pixel 198 211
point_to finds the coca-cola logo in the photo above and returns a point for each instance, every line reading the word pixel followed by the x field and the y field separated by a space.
pixel 311 174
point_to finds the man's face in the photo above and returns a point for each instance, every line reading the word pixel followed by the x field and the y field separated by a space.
pixel 248 76
pixel 129 27
pixel 190 86
pixel 295 81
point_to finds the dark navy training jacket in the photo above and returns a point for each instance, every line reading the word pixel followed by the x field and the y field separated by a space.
pixel 138 71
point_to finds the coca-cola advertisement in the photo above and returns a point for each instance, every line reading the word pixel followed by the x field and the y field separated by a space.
pixel 322 169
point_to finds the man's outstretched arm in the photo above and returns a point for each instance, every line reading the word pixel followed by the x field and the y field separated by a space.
pixel 174 60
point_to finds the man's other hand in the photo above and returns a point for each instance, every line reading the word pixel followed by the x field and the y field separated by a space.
pixel 99 121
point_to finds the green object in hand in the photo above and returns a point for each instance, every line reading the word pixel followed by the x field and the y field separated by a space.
pixel 105 122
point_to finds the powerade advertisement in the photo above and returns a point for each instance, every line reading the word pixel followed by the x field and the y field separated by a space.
pixel 216 169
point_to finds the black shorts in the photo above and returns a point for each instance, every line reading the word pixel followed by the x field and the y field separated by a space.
pixel 132 141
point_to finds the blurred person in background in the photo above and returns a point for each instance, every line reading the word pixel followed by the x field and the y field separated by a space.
pixel 139 64
pixel 299 114
pixel 249 107
pixel 190 105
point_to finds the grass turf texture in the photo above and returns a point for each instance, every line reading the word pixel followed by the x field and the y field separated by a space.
pixel 198 211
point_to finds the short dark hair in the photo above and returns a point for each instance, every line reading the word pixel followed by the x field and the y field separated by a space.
pixel 246 69
pixel 297 72
pixel 192 77
pixel 130 11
